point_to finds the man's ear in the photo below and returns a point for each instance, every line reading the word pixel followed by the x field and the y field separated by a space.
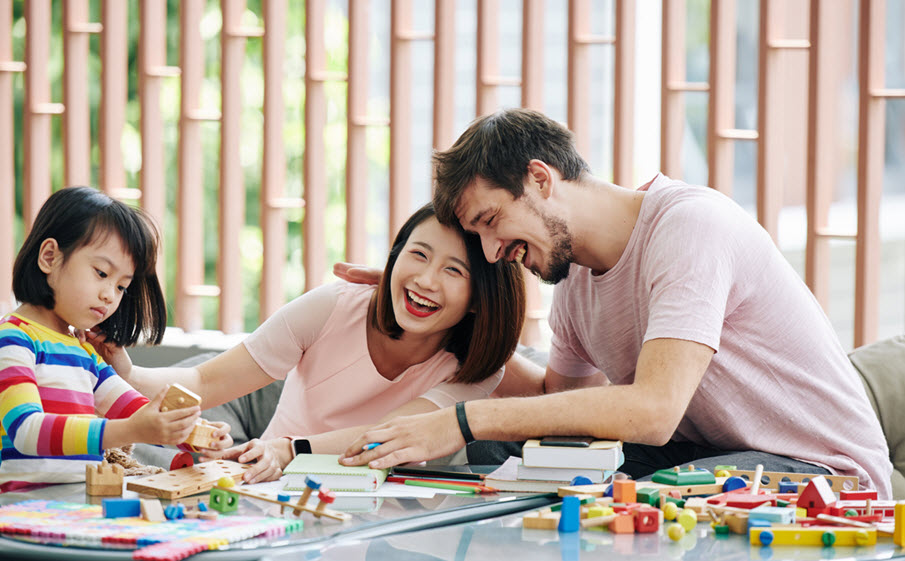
pixel 48 254
pixel 540 176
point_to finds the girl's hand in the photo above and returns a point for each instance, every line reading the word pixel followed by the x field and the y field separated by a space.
pixel 151 426
pixel 266 455
pixel 114 355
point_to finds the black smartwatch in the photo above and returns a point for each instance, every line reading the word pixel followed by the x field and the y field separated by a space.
pixel 300 446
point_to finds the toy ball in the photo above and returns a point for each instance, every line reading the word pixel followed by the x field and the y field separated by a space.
pixel 226 481
pixel 670 511
pixel 580 480
pixel 675 532
pixel 688 519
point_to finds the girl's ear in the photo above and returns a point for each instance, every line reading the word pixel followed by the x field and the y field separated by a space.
pixel 48 254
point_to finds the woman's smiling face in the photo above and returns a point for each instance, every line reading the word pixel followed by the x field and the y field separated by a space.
pixel 431 280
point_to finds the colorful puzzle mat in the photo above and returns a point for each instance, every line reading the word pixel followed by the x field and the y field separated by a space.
pixel 82 525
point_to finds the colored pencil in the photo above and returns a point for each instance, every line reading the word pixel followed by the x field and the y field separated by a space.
pixel 450 486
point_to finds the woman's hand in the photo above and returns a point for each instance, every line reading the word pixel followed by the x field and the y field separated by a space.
pixel 220 442
pixel 357 273
pixel 114 355
pixel 269 457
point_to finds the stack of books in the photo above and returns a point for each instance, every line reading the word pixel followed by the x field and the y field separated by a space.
pixel 550 463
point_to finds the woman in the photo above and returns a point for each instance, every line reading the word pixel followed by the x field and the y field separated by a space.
pixel 436 330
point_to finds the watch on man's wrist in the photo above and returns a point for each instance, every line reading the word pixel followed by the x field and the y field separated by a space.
pixel 300 446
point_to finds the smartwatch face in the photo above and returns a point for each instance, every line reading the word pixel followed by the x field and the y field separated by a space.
pixel 301 446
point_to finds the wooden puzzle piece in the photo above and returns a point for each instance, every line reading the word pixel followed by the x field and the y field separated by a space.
pixel 187 481
pixel 200 436
pixel 179 397
pixel 104 479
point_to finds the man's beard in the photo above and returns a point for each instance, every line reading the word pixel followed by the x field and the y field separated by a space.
pixel 561 255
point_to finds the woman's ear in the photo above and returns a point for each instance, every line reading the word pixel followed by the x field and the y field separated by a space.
pixel 48 254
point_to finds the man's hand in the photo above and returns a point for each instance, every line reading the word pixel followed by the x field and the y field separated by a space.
pixel 357 273
pixel 407 439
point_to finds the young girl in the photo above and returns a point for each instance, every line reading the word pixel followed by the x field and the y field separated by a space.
pixel 437 330
pixel 88 262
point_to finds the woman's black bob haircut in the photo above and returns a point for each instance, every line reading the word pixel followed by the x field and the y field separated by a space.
pixel 79 216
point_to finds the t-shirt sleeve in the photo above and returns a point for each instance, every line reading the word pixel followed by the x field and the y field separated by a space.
pixel 566 357
pixel 449 393
pixel 688 269
pixel 280 342
pixel 30 430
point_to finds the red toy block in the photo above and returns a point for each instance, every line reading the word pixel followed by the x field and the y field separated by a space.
pixel 647 520
pixel 857 495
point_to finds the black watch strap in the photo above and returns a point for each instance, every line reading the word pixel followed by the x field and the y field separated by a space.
pixel 300 446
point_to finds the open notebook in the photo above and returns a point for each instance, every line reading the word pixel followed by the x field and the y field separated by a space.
pixel 331 474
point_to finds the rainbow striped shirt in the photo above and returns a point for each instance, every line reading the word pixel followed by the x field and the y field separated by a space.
pixel 55 394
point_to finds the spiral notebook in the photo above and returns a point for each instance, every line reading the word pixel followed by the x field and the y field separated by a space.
pixel 331 474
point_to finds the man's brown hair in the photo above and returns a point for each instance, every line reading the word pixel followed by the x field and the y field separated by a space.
pixel 498 147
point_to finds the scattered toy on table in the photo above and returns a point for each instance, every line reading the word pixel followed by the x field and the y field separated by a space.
pixel 121 508
pixel 227 493
pixel 104 479
pixel 187 481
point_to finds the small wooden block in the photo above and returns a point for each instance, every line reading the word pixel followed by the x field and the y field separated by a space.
pixel 104 479
pixel 623 524
pixel 179 397
pixel 201 434
pixel 541 520
pixel 152 510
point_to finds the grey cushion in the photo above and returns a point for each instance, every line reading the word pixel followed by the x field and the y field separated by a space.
pixel 882 369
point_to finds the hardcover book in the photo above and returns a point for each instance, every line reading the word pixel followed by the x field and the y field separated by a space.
pixel 331 474
pixel 599 455
pixel 559 474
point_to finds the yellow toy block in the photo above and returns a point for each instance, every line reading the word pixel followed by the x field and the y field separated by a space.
pixel 898 535
pixel 814 535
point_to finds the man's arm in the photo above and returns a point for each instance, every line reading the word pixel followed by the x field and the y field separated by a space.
pixel 647 411
pixel 556 382
pixel 521 377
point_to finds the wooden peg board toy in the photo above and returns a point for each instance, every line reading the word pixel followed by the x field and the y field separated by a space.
pixel 187 481
pixel 773 478
pixel 178 397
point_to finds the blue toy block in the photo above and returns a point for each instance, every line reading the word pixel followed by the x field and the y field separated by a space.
pixel 171 512
pixel 569 518
pixel 284 497
pixel 788 487
pixel 202 507
pixel 121 508
pixel 312 482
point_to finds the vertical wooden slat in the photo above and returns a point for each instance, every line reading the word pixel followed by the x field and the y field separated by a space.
pixel 273 167
pixel 820 165
pixel 721 112
pixel 871 115
pixel 356 145
pixel 76 125
pixel 190 270
pixel 114 74
pixel 38 109
pixel 533 98
pixel 578 75
pixel 487 52
pixel 769 119
pixel 672 100
pixel 232 184
pixel 7 155
pixel 315 119
pixel 624 95
pixel 444 73
pixel 152 67
pixel 400 114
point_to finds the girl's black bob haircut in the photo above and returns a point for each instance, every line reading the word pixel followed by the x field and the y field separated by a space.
pixel 80 216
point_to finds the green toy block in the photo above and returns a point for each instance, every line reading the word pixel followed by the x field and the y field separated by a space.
pixel 679 502
pixel 683 477
pixel 648 496
pixel 224 501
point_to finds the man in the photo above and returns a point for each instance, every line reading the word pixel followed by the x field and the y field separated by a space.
pixel 678 327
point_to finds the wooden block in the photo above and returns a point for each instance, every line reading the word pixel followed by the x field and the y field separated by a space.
pixel 813 535
pixel 624 491
pixel 838 483
pixel 541 520
pixel 179 397
pixel 622 524
pixel 738 523
pixel 104 479
pixel 201 434
pixel 152 510
pixel 187 481
pixel 898 534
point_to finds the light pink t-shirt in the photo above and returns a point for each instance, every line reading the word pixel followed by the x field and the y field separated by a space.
pixel 318 344
pixel 697 267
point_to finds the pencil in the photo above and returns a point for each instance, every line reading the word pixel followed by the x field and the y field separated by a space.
pixel 450 486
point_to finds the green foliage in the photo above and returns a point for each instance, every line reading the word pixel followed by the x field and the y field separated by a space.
pixel 251 145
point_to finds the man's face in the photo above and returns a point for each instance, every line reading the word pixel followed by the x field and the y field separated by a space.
pixel 517 229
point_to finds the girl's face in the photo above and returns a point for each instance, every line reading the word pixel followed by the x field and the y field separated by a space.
pixel 431 281
pixel 89 285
